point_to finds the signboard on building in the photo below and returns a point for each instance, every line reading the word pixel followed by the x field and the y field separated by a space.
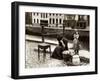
pixel 44 22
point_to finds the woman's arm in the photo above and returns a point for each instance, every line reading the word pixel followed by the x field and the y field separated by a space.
pixel 62 43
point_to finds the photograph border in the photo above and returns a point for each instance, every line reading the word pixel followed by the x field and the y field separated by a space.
pixel 15 39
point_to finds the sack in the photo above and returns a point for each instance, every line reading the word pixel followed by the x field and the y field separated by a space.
pixel 75 60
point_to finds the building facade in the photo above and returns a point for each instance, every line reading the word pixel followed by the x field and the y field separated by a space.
pixel 56 20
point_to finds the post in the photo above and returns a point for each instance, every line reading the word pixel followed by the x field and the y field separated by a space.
pixel 63 30
pixel 64 23
pixel 43 23
pixel 42 32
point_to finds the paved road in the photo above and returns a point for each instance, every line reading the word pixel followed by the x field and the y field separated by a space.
pixel 32 55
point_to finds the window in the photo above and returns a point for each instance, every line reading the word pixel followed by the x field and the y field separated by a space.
pixel 46 15
pixel 53 21
pixel 34 13
pixel 37 20
pixel 34 20
pixel 41 15
pixel 50 20
pixel 81 17
pixel 59 21
pixel 59 14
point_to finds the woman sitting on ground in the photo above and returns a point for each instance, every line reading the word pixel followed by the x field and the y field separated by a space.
pixel 63 45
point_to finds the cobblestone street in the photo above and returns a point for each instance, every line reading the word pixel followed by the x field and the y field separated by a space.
pixel 32 54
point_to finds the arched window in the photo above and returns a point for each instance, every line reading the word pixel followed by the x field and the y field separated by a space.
pixel 50 20
pixel 41 15
pixel 34 20
pixel 59 21
pixel 53 21
pixel 50 14
pixel 34 13
pixel 37 20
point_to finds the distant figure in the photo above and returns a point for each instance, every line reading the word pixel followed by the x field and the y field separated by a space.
pixel 76 45
pixel 63 45
pixel 76 34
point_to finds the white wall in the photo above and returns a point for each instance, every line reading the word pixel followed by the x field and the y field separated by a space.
pixel 5 40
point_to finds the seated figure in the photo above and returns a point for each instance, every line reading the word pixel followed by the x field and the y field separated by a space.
pixel 63 45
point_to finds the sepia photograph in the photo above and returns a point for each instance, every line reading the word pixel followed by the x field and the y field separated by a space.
pixel 56 40
pixel 51 40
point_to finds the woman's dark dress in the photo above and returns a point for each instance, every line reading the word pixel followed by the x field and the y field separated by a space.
pixel 57 53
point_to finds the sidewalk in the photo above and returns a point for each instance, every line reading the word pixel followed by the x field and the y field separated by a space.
pixel 53 42
pixel 47 40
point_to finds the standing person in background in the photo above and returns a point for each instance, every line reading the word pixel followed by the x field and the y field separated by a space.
pixel 76 45
pixel 76 34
